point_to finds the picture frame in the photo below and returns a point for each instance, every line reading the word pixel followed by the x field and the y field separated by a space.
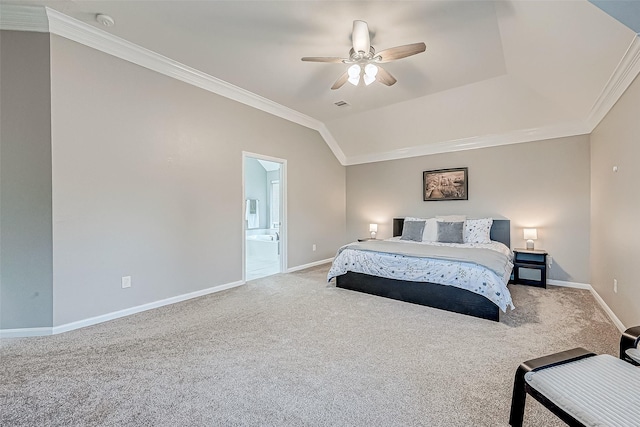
pixel 445 184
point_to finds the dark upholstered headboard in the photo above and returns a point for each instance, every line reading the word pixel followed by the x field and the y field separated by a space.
pixel 500 230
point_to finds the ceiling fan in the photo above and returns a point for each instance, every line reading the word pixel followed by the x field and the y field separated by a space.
pixel 364 59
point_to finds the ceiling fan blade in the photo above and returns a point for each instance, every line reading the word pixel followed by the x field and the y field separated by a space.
pixel 323 59
pixel 400 52
pixel 360 37
pixel 341 81
pixel 385 77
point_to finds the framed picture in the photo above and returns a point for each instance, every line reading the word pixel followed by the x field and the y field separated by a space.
pixel 445 184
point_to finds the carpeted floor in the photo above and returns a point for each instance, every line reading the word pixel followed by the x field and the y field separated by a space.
pixel 293 350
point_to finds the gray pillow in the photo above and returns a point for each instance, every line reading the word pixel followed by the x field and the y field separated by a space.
pixel 412 230
pixel 450 232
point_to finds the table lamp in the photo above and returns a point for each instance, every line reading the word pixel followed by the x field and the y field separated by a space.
pixel 530 234
pixel 373 228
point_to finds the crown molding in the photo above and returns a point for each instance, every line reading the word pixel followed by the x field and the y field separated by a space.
pixel 475 142
pixel 23 18
pixel 43 19
pixel 72 29
pixel 332 143
pixel 621 78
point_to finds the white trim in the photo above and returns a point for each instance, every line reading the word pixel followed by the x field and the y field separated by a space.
pixel 332 143
pixel 475 142
pixel 596 296
pixel 144 307
pixel 609 312
pixel 43 19
pixel 24 332
pixel 621 78
pixel 311 264
pixel 32 332
pixel 78 31
pixel 564 284
pixel 15 17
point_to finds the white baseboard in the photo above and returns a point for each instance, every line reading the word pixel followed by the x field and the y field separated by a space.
pixel 38 332
pixel 564 284
pixel 24 332
pixel 33 332
pixel 597 297
pixel 609 312
pixel 311 264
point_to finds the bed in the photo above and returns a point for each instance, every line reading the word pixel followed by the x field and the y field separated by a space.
pixel 430 293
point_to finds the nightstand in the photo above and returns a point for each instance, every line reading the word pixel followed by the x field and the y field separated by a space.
pixel 530 267
pixel 364 240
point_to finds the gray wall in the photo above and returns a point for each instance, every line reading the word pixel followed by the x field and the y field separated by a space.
pixel 615 206
pixel 255 184
pixel 26 275
pixel 542 184
pixel 147 182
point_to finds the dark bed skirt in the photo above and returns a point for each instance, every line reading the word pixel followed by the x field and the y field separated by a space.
pixel 433 295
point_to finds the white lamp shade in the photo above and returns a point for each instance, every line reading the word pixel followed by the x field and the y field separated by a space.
pixel 373 227
pixel 368 79
pixel 370 72
pixel 354 74
pixel 530 234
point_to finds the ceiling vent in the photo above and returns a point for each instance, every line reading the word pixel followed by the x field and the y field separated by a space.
pixel 341 103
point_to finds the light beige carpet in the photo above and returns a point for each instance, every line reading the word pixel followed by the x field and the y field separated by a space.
pixel 293 350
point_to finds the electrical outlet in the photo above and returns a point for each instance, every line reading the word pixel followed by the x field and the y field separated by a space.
pixel 615 286
pixel 313 247
pixel 550 260
pixel 126 282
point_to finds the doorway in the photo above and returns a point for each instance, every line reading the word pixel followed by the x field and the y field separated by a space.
pixel 264 216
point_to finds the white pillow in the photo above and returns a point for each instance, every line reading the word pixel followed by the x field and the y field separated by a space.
pixel 451 218
pixel 430 233
pixel 478 230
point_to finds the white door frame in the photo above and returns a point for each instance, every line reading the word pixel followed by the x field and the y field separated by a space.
pixel 283 210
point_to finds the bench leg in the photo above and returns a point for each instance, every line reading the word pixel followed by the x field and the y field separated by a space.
pixel 519 397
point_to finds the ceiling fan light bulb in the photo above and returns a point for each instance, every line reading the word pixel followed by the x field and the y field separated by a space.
pixel 368 79
pixel 371 70
pixel 354 74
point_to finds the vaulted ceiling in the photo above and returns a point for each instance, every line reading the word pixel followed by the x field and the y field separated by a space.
pixel 494 72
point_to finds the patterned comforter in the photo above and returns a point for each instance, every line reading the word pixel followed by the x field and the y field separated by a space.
pixel 465 275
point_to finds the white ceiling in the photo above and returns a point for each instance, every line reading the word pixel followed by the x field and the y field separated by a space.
pixel 491 68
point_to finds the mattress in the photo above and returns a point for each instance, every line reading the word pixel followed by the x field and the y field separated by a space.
pixel 465 275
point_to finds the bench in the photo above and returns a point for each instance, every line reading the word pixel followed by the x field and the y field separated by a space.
pixel 582 388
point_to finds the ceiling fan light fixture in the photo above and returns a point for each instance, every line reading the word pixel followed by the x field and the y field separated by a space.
pixel 363 56
pixel 354 74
